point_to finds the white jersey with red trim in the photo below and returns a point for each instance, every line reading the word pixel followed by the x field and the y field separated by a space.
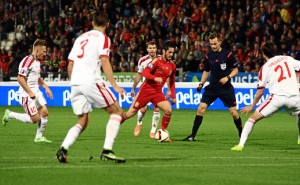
pixel 30 69
pixel 85 54
pixel 143 62
pixel 278 74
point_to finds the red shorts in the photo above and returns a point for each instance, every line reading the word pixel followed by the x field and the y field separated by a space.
pixel 144 97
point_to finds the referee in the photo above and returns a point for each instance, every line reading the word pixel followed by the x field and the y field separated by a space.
pixel 222 66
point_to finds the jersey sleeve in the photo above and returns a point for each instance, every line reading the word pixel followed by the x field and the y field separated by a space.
pixel 25 66
pixel 206 64
pixel 105 47
pixel 233 62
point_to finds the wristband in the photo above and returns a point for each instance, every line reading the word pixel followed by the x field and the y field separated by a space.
pixel 228 77
pixel 200 84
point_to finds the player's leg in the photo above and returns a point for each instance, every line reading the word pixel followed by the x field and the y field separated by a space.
pixel 237 120
pixel 42 124
pixel 228 99
pixel 43 111
pixel 155 120
pixel 197 122
pixel 248 127
pixel 30 109
pixel 112 130
pixel 81 108
pixel 267 108
pixel 167 109
pixel 140 115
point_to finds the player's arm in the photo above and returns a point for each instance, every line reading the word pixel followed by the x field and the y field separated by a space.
pixel 205 75
pixel 136 80
pixel 172 80
pixel 169 93
pixel 107 69
pixel 258 95
pixel 70 68
pixel 225 79
pixel 23 83
pixel 147 72
pixel 46 87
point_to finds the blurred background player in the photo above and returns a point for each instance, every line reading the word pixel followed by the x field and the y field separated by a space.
pixel 142 64
pixel 221 66
pixel 278 74
pixel 89 54
pixel 156 74
pixel 31 98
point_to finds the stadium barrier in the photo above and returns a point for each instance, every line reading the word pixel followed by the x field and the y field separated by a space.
pixel 186 95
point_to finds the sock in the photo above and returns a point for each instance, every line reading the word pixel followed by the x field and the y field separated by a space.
pixel 239 126
pixel 21 117
pixel 140 117
pixel 41 127
pixel 72 135
pixel 155 120
pixel 246 131
pixel 112 129
pixel 165 121
pixel 197 123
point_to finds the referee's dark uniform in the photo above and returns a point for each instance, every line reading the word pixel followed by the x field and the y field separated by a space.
pixel 220 65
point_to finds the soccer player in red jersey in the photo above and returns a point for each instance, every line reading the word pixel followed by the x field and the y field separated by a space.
pixel 156 73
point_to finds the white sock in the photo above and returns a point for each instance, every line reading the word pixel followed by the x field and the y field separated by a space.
pixel 41 127
pixel 155 120
pixel 112 129
pixel 21 117
pixel 140 117
pixel 72 135
pixel 246 131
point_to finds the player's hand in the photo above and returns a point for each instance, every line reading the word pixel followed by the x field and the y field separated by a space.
pixel 132 93
pixel 158 79
pixel 49 93
pixel 32 95
pixel 169 94
pixel 199 87
pixel 173 101
pixel 224 80
pixel 246 109
pixel 120 91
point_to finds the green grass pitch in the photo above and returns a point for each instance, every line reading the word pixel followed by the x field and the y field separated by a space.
pixel 271 154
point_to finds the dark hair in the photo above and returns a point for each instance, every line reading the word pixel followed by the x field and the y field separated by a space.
pixel 167 45
pixel 99 19
pixel 213 36
pixel 268 49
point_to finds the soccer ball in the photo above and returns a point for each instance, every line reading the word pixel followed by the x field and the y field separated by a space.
pixel 162 135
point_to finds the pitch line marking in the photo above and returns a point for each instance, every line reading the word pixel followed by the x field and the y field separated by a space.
pixel 145 166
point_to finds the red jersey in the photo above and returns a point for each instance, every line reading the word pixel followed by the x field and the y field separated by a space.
pixel 159 68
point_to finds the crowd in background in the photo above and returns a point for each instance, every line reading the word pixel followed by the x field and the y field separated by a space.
pixel 243 25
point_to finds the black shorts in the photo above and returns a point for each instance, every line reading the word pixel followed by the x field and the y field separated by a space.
pixel 226 95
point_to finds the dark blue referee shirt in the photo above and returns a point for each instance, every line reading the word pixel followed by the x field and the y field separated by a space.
pixel 219 64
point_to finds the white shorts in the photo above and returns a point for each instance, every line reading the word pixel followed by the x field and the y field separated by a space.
pixel 274 103
pixel 31 106
pixel 85 95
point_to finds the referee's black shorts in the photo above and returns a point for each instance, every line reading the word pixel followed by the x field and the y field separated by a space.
pixel 226 95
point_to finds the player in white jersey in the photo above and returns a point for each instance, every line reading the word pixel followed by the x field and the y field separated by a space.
pixel 142 64
pixel 89 54
pixel 278 74
pixel 31 98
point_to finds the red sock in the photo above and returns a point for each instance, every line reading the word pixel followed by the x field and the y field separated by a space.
pixel 165 121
